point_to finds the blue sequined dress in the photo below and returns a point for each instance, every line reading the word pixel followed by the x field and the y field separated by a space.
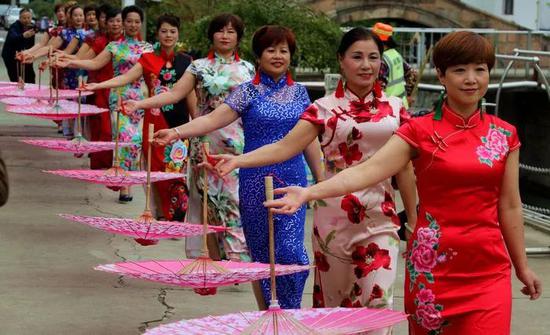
pixel 269 110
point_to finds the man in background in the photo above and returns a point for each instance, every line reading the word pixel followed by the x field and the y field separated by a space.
pixel 20 37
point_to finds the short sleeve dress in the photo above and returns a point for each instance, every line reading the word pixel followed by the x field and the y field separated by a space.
pixel 215 78
pixel 458 278
pixel 355 242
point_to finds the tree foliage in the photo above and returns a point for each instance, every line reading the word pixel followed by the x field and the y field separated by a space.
pixel 317 36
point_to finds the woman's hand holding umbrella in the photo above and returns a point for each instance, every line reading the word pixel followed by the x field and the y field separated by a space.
pixel 294 198
pixel 223 164
pixel 165 137
pixel 131 105
pixel 90 87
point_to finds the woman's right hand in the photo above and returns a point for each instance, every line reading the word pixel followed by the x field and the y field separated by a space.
pixel 131 106
pixel 164 137
pixel 225 163
pixel 294 198
pixel 91 87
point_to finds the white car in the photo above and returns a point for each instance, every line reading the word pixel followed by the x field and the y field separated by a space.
pixel 12 15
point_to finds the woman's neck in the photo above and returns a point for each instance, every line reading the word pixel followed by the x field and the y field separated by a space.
pixel 167 49
pixel 464 110
pixel 360 92
pixel 227 55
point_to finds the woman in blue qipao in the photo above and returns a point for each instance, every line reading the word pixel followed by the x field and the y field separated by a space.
pixel 270 106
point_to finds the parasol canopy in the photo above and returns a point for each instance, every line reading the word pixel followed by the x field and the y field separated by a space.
pixel 75 146
pixel 175 272
pixel 323 321
pixel 43 93
pixel 64 109
pixel 114 179
pixel 138 229
pixel 18 101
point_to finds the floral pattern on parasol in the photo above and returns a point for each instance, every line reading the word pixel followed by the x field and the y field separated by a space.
pixel 18 101
pixel 323 320
pixel 123 178
pixel 143 230
pixel 75 146
pixel 64 109
pixel 170 272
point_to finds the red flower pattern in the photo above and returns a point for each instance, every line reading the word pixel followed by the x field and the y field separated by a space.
pixel 370 259
pixel 356 134
pixel 350 153
pixel 354 207
pixel 321 262
pixel 377 293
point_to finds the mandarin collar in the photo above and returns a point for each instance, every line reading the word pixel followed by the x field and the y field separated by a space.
pixel 458 120
pixel 268 81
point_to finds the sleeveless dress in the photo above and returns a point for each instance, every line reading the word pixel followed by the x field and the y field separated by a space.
pixel 458 278
pixel 269 110
pixel 355 240
pixel 161 72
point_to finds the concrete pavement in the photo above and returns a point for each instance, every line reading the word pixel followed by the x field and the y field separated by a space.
pixel 48 285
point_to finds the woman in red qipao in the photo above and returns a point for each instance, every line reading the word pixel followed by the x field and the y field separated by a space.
pixel 470 226
pixel 161 69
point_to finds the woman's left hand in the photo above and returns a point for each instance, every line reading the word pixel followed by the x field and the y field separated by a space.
pixel 294 198
pixel 533 285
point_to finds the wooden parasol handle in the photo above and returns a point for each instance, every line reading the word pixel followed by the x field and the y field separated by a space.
pixel 205 153
pixel 268 180
pixel 149 148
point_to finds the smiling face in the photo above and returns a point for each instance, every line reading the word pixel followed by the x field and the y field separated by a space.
pixel 114 25
pixel 25 18
pixel 77 17
pixel 168 35
pixel 132 24
pixel 60 15
pixel 275 60
pixel 225 40
pixel 360 66
pixel 466 84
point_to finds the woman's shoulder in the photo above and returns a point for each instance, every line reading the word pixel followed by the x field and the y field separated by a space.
pixel 495 120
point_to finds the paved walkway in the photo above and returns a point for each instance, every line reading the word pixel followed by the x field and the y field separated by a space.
pixel 48 285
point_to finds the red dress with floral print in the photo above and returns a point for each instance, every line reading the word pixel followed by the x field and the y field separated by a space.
pixel 457 267
pixel 355 242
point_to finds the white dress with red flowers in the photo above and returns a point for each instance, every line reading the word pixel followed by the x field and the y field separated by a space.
pixel 355 240
pixel 458 277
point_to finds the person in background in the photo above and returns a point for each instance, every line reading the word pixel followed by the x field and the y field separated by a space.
pixel 469 231
pixel 20 37
pixel 4 186
pixel 397 77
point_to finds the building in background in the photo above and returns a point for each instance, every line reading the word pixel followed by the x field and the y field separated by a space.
pixel 531 14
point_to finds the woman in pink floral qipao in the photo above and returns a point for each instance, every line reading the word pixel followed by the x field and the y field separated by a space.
pixel 355 238
pixel 470 225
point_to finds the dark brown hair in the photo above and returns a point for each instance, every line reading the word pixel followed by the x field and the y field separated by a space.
pixel 172 20
pixel 267 36
pixel 463 47
pixel 358 34
pixel 222 20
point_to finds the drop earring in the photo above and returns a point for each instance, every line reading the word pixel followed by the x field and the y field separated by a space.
pixel 439 106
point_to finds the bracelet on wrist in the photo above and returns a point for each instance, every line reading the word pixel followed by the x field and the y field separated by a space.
pixel 177 132
pixel 409 228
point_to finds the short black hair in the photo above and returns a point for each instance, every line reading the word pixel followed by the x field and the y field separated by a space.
pixel 112 12
pixel 90 8
pixel 103 9
pixel 170 19
pixel 222 20
pixel 132 9
pixel 24 10
pixel 358 34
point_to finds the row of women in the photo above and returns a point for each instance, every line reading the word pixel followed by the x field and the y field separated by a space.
pixel 260 122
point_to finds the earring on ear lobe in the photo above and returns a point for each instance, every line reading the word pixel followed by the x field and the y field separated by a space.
pixel 439 106
pixel 481 105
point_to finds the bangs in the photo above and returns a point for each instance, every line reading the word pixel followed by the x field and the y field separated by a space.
pixel 463 47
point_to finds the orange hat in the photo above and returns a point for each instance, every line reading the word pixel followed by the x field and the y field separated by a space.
pixel 383 31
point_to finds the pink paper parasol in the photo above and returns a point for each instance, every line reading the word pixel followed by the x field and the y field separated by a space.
pixel 175 272
pixel 18 101
pixel 114 179
pixel 63 110
pixel 140 230
pixel 42 93
pixel 77 147
pixel 324 321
